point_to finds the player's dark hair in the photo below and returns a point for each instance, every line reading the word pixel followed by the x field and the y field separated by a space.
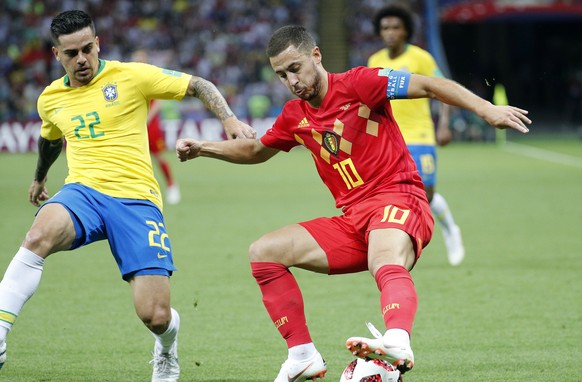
pixel 286 36
pixel 396 10
pixel 69 22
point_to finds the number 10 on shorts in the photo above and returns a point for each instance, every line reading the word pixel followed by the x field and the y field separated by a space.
pixel 393 214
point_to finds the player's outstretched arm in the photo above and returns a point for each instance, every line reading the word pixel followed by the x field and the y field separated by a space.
pixel 452 93
pixel 48 152
pixel 215 102
pixel 241 151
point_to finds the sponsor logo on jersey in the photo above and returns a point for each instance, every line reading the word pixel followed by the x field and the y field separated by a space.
pixel 304 123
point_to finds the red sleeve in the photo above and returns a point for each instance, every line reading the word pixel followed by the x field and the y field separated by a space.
pixel 280 136
pixel 370 84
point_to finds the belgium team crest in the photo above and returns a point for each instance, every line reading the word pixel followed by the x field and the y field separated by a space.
pixel 331 142
pixel 109 92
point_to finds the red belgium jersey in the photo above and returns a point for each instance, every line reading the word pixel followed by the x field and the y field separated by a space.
pixel 356 144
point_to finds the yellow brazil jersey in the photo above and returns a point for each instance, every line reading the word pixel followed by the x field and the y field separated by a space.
pixel 104 124
pixel 413 116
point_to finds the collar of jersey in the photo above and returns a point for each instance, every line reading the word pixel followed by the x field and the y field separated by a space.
pixel 406 46
pixel 67 82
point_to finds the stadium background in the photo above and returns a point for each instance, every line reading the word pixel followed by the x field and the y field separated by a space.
pixel 510 313
pixel 532 47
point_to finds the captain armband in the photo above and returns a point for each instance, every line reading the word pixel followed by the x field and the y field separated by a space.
pixel 398 82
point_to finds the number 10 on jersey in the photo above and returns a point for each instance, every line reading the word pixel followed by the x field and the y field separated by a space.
pixel 349 174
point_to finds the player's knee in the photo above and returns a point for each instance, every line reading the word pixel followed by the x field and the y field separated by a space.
pixel 156 319
pixel 261 250
pixel 39 241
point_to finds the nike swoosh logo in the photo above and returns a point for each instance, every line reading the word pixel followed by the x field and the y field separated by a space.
pixel 296 377
pixel 161 256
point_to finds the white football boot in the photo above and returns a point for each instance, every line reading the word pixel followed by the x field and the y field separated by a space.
pixel 166 367
pixel 454 244
pixel 399 355
pixel 300 371
pixel 173 195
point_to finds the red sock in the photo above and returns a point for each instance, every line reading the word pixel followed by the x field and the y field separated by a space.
pixel 398 297
pixel 166 171
pixel 283 300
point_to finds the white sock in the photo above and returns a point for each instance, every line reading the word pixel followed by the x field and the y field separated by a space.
pixel 18 285
pixel 441 211
pixel 165 340
pixel 396 337
pixel 302 352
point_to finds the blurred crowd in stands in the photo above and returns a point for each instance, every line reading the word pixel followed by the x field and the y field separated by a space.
pixel 220 40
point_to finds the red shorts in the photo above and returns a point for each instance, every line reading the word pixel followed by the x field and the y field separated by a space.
pixel 156 136
pixel 345 238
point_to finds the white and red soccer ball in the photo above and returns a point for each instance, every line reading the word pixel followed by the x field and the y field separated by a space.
pixel 370 370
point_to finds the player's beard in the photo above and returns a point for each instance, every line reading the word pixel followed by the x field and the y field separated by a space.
pixel 313 90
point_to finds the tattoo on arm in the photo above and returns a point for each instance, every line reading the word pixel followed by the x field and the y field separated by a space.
pixel 48 152
pixel 210 96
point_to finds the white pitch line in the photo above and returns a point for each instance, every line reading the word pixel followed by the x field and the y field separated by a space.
pixel 550 156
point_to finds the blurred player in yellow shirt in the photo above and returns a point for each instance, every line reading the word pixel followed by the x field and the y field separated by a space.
pixel 395 25
pixel 100 108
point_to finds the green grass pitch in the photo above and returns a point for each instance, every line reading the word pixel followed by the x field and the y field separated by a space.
pixel 511 312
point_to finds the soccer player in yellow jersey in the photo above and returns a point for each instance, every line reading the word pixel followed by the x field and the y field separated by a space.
pixel 100 108
pixel 395 25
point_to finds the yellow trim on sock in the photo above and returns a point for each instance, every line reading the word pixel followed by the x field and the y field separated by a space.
pixel 7 317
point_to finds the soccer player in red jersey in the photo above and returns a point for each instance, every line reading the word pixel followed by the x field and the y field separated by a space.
pixel 345 121
pixel 157 144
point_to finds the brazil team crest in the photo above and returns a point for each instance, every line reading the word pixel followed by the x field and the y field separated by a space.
pixel 331 142
pixel 109 92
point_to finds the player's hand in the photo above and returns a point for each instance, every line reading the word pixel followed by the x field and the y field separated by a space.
pixel 444 136
pixel 237 129
pixel 504 117
pixel 187 148
pixel 37 193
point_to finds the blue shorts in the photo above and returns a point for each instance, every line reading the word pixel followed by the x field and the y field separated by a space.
pixel 134 228
pixel 426 162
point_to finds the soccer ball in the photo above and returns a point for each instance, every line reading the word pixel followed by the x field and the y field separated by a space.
pixel 370 370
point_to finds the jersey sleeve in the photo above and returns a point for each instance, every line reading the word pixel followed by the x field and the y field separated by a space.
pixel 279 136
pixel 159 83
pixel 371 85
pixel 47 129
